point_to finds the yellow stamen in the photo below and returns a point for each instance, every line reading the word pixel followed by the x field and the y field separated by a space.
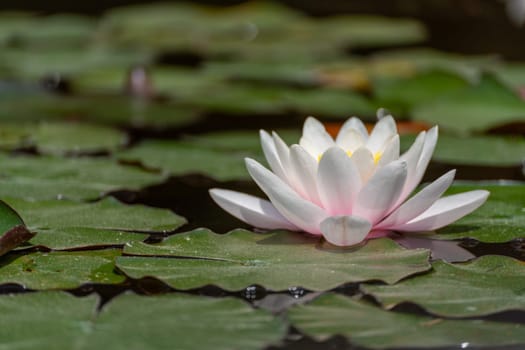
pixel 377 156
pixel 349 153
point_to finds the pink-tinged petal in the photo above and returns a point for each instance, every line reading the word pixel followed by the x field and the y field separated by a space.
pixel 427 150
pixel 354 124
pixel 315 139
pixel 300 212
pixel 391 152
pixel 255 211
pixel 377 196
pixel 445 211
pixel 364 162
pixel 384 129
pixel 411 157
pixel 350 140
pixel 270 153
pixel 345 230
pixel 338 181
pixel 420 202
pixel 304 168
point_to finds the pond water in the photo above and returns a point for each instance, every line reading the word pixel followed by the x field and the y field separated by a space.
pixel 114 127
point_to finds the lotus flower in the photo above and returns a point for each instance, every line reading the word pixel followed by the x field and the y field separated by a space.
pixel 349 189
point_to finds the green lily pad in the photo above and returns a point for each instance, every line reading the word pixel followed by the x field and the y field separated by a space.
pixel 461 290
pixel 107 214
pixel 370 326
pixel 424 59
pixel 39 178
pixel 55 320
pixel 476 150
pixel 113 110
pixel 403 94
pixel 179 158
pixel 61 321
pixel 276 261
pixel 61 138
pixel 370 31
pixel 478 108
pixel 60 270
pixel 500 219
pixel 68 225
pixel 12 229
pixel 193 322
pixel 512 74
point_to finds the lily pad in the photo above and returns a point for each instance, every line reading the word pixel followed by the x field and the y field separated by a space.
pixel 61 138
pixel 178 157
pixel 12 229
pixel 370 326
pixel 192 322
pixel 476 150
pixel 500 219
pixel 276 261
pixel 60 270
pixel 63 321
pixel 107 214
pixel 38 178
pixel 461 290
pixel 55 320
pixel 69 225
pixel 478 108
pixel 402 94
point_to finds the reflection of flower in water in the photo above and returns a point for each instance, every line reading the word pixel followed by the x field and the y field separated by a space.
pixel 348 189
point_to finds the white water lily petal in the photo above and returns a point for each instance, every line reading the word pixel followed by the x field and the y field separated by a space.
pixel 353 124
pixel 391 152
pixel 338 181
pixel 382 132
pixel 411 157
pixel 426 154
pixel 304 168
pixel 378 195
pixel 295 209
pixel 255 211
pixel 420 202
pixel 445 211
pixel 350 140
pixel 364 161
pixel 345 230
pixel 315 139
pixel 270 153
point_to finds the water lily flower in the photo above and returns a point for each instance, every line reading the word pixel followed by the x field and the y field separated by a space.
pixel 355 187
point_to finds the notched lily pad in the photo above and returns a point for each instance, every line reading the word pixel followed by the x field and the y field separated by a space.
pixel 61 138
pixel 373 327
pixel 59 320
pixel 66 225
pixel 487 285
pixel 60 270
pixel 12 228
pixel 276 261
pixel 500 219
pixel 41 178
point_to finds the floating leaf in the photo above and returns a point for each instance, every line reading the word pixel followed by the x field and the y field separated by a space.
pixel 184 158
pixel 12 229
pixel 403 94
pixel 38 178
pixel 476 150
pixel 487 285
pixel 60 270
pixel 370 326
pixel 67 225
pixel 107 214
pixel 190 321
pixel 276 261
pixel 500 219
pixel 61 138
pixel 61 321
pixel 478 108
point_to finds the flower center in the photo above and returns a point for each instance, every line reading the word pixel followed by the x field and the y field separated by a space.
pixel 377 156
